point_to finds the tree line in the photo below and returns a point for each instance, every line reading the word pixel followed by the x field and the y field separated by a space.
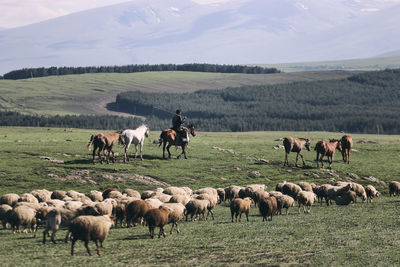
pixel 54 71
pixel 363 103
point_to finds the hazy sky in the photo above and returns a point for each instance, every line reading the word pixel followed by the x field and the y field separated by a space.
pixel 16 13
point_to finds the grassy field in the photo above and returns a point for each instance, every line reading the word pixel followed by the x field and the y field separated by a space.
pixel 90 93
pixel 359 234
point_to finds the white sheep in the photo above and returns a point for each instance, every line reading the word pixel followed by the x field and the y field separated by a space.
pixel 22 216
pixel 175 215
pixel 306 199
pixel 4 208
pixel 96 196
pixel 371 192
pixel 196 207
pixel 9 199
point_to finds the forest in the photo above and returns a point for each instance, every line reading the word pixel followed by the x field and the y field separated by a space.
pixel 57 71
pixel 364 103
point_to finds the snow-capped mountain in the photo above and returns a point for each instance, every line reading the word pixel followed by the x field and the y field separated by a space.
pixel 183 31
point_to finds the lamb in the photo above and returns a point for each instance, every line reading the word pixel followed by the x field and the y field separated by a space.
pixel 196 207
pixel 213 202
pixel 96 196
pixel 291 189
pixel 9 199
pixel 394 188
pixel 360 191
pixel 4 208
pixel 371 192
pixel 175 215
pixel 268 207
pixel 346 198
pixel 306 199
pixel 86 228
pixel 135 210
pixel 239 206
pixel 131 193
pixel 22 216
pixel 61 217
pixel 58 194
pixel 284 202
pixel 157 218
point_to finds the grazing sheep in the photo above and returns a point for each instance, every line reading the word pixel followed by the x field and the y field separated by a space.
pixel 346 198
pixel 75 195
pixel 360 191
pixel 291 189
pixel 257 195
pixel 221 194
pixel 58 194
pixel 175 215
pixel 56 203
pixel 162 197
pixel 73 205
pixel 4 208
pixel 157 218
pixel 106 192
pixel 394 188
pixel 9 199
pixel 275 193
pixel 213 202
pixel 183 199
pixel 239 206
pixel 42 195
pixel 87 228
pixel 306 199
pixel 333 192
pixel 321 192
pixel 96 196
pixel 279 186
pixel 268 207
pixel 155 203
pixel 28 198
pixel 196 207
pixel 147 194
pixel 135 210
pixel 284 202
pixel 131 193
pixel 305 186
pixel 207 190
pixel 371 192
pixel 22 216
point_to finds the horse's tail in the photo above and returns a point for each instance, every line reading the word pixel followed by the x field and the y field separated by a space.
pixel 90 141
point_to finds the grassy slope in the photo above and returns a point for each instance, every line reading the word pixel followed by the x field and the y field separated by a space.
pixel 89 93
pixel 358 234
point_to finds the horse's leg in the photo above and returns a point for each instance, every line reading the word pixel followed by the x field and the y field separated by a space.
pixel 286 159
pixel 169 153
pixel 126 158
pixel 163 150
pixel 136 151
pixel 141 150
pixel 297 158
pixel 94 153
pixel 348 156
pixel 304 164
pixel 184 151
pixel 320 159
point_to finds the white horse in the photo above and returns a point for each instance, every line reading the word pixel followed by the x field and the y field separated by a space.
pixel 137 138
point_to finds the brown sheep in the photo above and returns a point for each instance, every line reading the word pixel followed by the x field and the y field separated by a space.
pixel 136 210
pixel 268 207
pixel 239 206
pixel 157 218
pixel 107 192
pixel 306 199
pixel 321 192
pixel 335 191
pixel 87 228
pixel 394 188
pixel 371 192
pixel 279 186
pixel 221 194
pixel 232 192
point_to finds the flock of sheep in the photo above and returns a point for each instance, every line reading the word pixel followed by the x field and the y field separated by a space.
pixel 90 217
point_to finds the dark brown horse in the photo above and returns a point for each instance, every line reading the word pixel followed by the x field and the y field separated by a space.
pixel 347 143
pixel 327 149
pixel 295 145
pixel 105 142
pixel 170 136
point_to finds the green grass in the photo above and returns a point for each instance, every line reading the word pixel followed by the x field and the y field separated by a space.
pixel 89 93
pixel 358 234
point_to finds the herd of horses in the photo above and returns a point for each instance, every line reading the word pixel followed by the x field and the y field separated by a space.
pixel 103 143
pixel 322 148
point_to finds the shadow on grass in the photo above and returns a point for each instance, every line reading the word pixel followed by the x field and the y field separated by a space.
pixel 136 237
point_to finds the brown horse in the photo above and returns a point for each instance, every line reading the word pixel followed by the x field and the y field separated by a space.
pixel 327 149
pixel 105 142
pixel 347 143
pixel 295 145
pixel 170 136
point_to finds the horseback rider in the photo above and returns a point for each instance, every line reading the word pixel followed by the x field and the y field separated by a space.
pixel 177 125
